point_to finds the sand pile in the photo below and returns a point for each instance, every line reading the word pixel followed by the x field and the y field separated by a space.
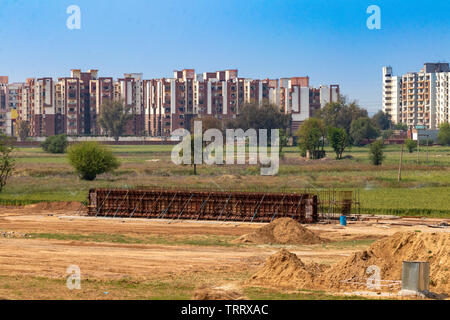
pixel 286 269
pixel 388 254
pixel 217 293
pixel 282 231
pixel 58 205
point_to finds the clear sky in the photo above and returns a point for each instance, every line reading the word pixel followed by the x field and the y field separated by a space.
pixel 326 40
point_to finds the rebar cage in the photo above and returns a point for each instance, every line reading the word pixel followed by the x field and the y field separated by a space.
pixel 203 205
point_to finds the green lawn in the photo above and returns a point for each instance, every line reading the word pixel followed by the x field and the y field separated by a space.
pixel 175 288
pixel 424 189
pixel 193 240
pixel 257 293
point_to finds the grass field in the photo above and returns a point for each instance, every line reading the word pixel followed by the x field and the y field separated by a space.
pixel 20 287
pixel 424 189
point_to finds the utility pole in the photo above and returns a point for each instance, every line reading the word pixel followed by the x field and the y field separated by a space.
pixel 400 165
pixel 418 147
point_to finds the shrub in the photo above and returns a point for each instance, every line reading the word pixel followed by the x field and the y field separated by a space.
pixel 90 159
pixel 376 154
pixel 382 120
pixel 311 138
pixel 338 140
pixel 6 161
pixel 55 144
pixel 386 134
pixel 363 129
pixel 411 145
pixel 444 134
pixel 426 142
pixel 401 126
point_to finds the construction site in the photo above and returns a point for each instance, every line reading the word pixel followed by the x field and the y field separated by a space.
pixel 155 243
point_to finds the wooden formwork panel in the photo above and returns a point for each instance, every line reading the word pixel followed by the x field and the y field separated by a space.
pixel 202 205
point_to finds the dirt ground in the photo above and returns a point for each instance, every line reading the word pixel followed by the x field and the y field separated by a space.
pixel 36 249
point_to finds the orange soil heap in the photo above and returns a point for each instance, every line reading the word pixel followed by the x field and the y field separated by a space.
pixel 285 269
pixel 389 253
pixel 283 231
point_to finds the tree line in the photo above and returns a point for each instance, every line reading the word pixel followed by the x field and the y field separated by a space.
pixel 338 125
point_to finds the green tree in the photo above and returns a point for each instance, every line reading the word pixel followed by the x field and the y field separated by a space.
pixel 338 140
pixel 341 114
pixel 264 116
pixel 376 153
pixel 208 122
pixel 386 134
pixel 362 129
pixel 382 120
pixel 411 145
pixel 311 138
pixel 284 139
pixel 55 144
pixel 23 129
pixel 401 126
pixel 113 118
pixel 444 134
pixel 91 159
pixel 6 161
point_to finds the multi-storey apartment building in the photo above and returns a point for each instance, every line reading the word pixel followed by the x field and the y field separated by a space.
pixel 64 106
pixel 130 90
pixel 101 90
pixel 27 102
pixel 43 116
pixel 442 97
pixel 296 97
pixel 3 104
pixel 172 103
pixel 392 94
pixel 71 105
pixel 220 93
pixel 169 103
pixel 418 99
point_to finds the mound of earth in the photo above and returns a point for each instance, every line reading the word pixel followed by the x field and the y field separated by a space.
pixel 281 231
pixel 217 293
pixel 389 253
pixel 58 205
pixel 286 269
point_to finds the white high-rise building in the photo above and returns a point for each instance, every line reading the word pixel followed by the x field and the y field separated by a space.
pixel 418 99
pixel 442 97
pixel 392 97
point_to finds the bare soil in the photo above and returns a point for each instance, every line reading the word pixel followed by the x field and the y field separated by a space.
pixel 286 269
pixel 23 256
pixel 281 231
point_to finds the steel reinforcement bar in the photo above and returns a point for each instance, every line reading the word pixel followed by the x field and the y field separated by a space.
pixel 202 205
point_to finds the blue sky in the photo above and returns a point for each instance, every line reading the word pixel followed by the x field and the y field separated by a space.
pixel 326 40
